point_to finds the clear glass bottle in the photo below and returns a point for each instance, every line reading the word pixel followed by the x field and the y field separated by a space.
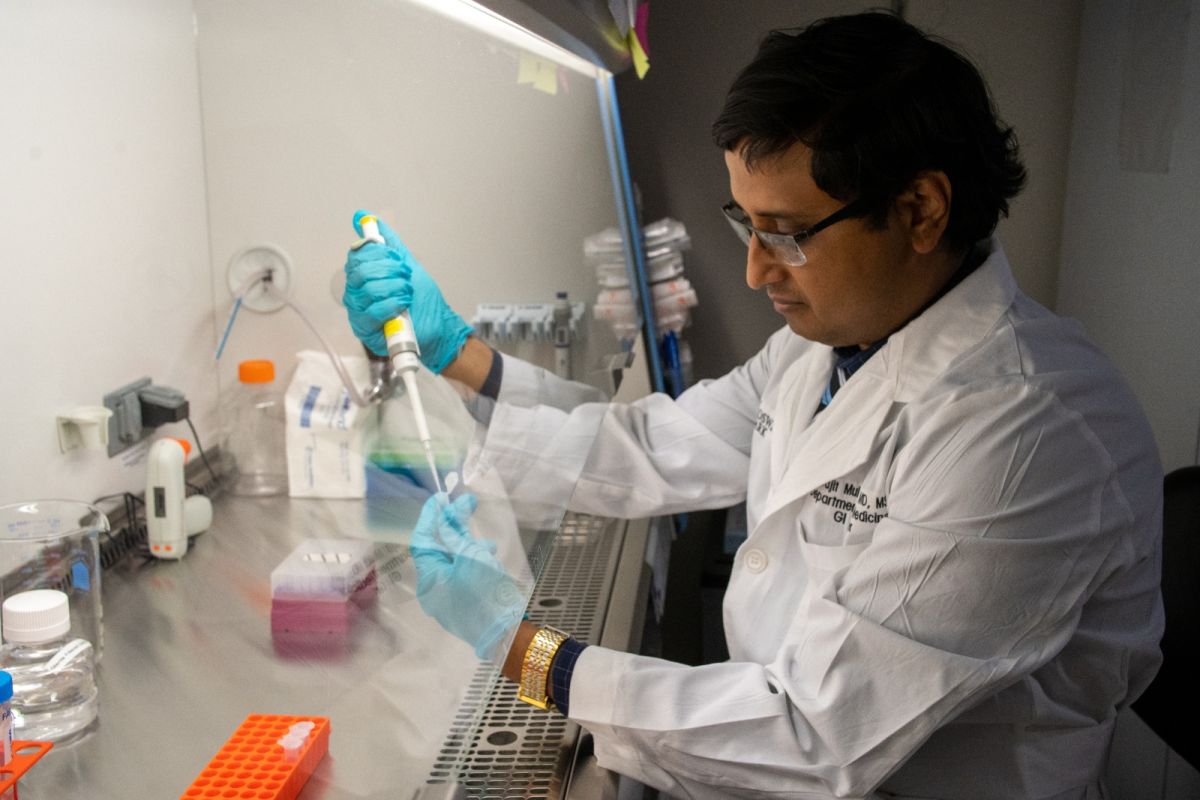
pixel 256 441
pixel 54 683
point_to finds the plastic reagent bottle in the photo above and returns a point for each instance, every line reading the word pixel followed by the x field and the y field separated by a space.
pixel 54 683
pixel 257 437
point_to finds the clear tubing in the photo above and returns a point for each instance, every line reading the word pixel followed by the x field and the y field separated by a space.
pixel 264 276
pixel 355 395
pixel 237 304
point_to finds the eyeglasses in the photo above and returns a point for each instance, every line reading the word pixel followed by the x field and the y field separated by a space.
pixel 785 246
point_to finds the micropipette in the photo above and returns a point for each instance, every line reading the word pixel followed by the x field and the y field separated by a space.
pixel 406 357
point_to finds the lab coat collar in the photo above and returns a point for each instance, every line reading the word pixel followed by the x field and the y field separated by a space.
pixel 922 350
pixel 837 440
pixel 840 438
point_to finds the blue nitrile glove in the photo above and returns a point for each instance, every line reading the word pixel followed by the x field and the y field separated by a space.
pixel 460 583
pixel 382 281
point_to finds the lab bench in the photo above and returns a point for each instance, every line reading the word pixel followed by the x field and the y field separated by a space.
pixel 188 654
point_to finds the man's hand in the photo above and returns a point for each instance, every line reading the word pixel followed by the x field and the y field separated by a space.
pixel 384 279
pixel 460 582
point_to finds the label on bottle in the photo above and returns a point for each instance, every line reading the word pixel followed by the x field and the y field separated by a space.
pixel 69 652
pixel 6 737
pixel 6 731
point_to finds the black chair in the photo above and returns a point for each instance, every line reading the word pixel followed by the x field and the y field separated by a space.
pixel 1170 705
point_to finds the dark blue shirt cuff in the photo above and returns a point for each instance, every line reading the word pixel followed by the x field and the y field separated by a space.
pixel 491 384
pixel 560 673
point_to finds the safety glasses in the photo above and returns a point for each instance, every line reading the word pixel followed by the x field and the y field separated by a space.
pixel 786 247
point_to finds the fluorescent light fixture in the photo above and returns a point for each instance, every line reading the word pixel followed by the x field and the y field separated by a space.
pixel 485 20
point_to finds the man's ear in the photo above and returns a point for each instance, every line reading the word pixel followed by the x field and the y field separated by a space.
pixel 924 209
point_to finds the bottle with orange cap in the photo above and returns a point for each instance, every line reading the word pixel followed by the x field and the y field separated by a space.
pixel 256 442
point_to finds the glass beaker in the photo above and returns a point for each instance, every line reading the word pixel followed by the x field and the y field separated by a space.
pixel 55 544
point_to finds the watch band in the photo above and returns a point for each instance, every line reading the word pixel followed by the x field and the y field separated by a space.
pixel 535 668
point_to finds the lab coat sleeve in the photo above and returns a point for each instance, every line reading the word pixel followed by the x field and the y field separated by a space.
pixel 653 456
pixel 526 385
pixel 1005 514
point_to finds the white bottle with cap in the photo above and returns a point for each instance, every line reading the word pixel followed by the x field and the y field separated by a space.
pixel 54 682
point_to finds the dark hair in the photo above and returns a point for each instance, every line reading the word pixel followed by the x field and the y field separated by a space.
pixel 877 101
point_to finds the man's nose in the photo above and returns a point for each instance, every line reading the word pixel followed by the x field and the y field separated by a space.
pixel 762 268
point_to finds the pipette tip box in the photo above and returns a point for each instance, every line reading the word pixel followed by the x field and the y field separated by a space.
pixel 323 613
pixel 323 568
pixel 320 587
pixel 253 765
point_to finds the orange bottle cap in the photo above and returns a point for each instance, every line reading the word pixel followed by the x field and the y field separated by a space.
pixel 258 371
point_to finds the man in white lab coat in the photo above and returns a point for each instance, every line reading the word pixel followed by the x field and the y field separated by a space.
pixel 950 585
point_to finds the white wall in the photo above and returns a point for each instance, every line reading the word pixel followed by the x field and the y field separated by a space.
pixel 1131 239
pixel 138 134
pixel 1129 273
pixel 394 108
pixel 1026 50
pixel 103 239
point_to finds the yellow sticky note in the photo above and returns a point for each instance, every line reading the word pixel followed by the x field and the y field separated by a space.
pixel 527 68
pixel 540 73
pixel 547 77
pixel 641 61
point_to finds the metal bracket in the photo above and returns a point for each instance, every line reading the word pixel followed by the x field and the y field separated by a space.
pixel 251 261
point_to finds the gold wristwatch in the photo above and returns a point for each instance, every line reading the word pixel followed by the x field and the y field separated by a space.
pixel 535 668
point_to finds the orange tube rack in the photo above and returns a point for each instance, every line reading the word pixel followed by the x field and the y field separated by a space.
pixel 25 754
pixel 251 764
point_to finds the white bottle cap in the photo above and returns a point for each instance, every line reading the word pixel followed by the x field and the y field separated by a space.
pixel 37 616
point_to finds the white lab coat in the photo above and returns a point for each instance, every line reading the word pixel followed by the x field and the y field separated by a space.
pixel 950 583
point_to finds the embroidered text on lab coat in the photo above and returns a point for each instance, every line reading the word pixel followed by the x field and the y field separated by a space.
pixel 850 502
pixel 764 423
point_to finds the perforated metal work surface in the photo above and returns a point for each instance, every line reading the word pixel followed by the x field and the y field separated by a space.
pixel 499 747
